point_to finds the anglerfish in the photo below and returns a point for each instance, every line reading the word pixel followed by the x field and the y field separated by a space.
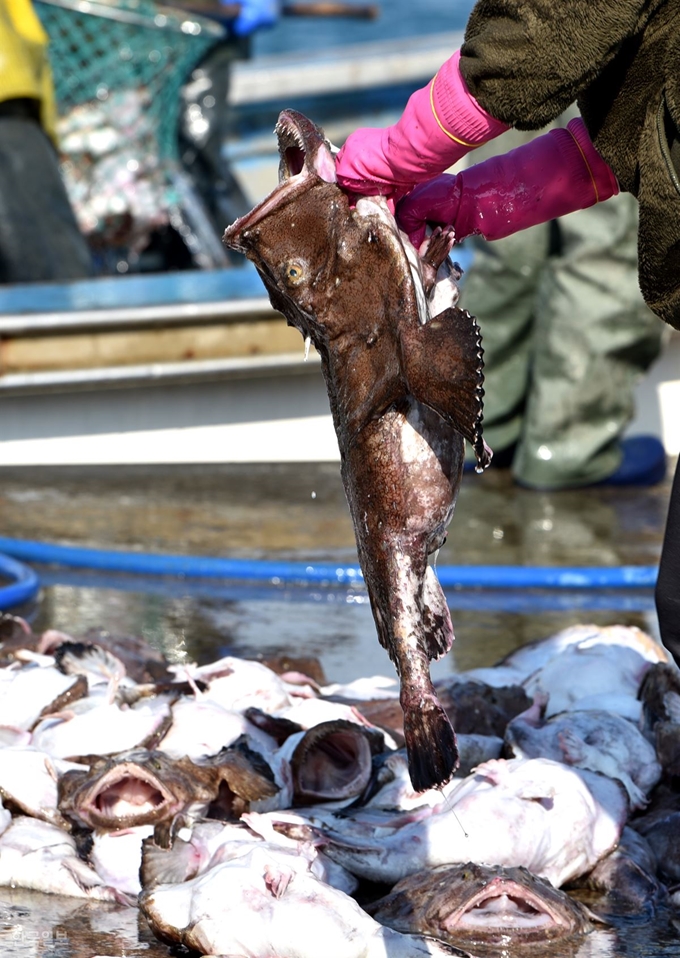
pixel 403 370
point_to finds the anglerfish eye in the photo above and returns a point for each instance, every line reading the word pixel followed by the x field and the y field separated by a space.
pixel 293 272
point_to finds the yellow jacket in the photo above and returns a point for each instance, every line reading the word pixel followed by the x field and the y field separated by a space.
pixel 24 66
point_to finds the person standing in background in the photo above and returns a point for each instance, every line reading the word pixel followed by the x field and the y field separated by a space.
pixel 566 337
pixel 39 236
pixel 522 64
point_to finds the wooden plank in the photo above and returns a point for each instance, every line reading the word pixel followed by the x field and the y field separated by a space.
pixel 89 351
pixel 250 369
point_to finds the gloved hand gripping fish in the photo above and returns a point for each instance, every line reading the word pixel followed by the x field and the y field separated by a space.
pixel 403 369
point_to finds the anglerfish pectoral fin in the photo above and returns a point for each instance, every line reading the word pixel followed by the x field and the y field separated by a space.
pixel 443 364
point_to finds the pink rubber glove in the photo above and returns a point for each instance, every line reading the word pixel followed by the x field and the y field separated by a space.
pixel 555 174
pixel 440 124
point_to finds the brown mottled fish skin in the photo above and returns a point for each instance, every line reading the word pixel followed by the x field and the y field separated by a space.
pixel 486 907
pixel 404 391
pixel 142 787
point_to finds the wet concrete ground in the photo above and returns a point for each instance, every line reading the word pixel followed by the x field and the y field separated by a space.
pixel 299 513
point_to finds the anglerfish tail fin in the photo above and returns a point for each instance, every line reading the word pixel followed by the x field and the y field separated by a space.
pixel 443 362
pixel 430 743
pixel 430 740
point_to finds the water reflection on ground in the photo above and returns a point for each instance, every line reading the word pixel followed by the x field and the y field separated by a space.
pixel 299 513
pixel 207 621
pixel 53 926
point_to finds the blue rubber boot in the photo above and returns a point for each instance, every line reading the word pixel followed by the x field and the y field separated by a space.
pixel 643 463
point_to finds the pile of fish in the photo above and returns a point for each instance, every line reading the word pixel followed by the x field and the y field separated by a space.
pixel 119 189
pixel 255 813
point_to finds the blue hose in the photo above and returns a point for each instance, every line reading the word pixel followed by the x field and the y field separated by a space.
pixel 524 601
pixel 254 570
pixel 23 587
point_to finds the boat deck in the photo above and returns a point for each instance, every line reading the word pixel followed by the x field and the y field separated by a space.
pixel 196 366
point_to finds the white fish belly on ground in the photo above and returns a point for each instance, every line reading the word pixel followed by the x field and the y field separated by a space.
pixel 199 847
pixel 13 736
pixel 594 739
pixel 28 780
pixel 556 821
pixel 117 856
pixel 196 848
pixel 535 655
pixel 201 727
pixel 27 691
pixel 367 689
pixel 516 667
pixel 266 904
pixel 393 787
pixel 310 712
pixel 323 867
pixel 239 684
pixel 37 855
pixel 103 730
pixel 591 677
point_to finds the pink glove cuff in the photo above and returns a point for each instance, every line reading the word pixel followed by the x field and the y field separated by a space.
pixel 440 123
pixel 456 112
pixel 603 181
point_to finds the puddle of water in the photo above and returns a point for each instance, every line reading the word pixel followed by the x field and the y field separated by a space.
pixel 209 620
pixel 33 925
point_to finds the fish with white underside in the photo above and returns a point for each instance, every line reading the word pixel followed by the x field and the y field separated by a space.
pixel 536 813
pixel 267 903
pixel 403 370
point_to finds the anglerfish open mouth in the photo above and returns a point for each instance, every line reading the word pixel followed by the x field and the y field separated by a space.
pixel 305 155
pixel 332 762
pixel 303 148
pixel 128 793
pixel 503 906
pixel 291 147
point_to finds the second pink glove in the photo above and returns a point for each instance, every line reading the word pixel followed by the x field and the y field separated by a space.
pixel 553 175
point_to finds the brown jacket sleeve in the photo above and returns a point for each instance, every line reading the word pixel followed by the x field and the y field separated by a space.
pixel 525 61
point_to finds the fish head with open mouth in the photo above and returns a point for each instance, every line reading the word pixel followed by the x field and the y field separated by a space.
pixel 139 787
pixel 351 282
pixel 280 223
pixel 403 371
pixel 483 906
pixel 305 240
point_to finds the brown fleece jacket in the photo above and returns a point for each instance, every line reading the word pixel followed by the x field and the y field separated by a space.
pixel 525 61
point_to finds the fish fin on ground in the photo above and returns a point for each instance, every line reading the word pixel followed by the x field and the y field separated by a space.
pixel 244 770
pixel 167 866
pixel 430 744
pixel 436 617
pixel 443 364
